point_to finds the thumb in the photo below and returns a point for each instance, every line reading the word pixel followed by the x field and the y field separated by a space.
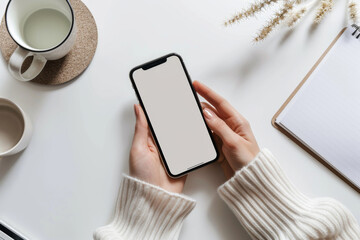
pixel 141 127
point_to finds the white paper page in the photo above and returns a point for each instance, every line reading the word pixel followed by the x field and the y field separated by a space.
pixel 325 113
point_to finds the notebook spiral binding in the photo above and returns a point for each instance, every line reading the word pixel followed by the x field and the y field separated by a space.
pixel 357 30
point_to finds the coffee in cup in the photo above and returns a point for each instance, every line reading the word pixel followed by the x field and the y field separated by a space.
pixel 15 128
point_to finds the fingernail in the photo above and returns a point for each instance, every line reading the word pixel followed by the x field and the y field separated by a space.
pixel 208 113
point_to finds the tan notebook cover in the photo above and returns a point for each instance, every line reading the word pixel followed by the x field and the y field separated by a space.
pixel 273 121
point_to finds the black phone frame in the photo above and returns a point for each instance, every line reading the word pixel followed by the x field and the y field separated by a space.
pixel 154 63
pixel 9 232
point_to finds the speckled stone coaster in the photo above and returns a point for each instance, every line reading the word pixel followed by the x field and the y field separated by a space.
pixel 72 65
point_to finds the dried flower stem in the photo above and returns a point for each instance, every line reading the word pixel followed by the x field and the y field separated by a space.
pixel 251 11
pixel 279 17
pixel 295 16
pixel 292 11
pixel 353 12
pixel 325 7
pixel 299 12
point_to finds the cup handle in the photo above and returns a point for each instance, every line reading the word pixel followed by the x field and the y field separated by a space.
pixel 16 61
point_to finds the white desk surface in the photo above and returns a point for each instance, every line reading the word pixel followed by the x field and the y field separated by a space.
pixel 64 185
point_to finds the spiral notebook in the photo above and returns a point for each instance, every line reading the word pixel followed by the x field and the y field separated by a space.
pixel 322 115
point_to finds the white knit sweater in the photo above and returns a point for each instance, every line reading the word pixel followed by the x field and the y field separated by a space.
pixel 261 197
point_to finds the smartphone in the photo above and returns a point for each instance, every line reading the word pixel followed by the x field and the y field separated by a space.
pixel 174 114
pixel 8 233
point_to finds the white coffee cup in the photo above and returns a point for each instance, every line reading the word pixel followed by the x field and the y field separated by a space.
pixel 15 128
pixel 44 29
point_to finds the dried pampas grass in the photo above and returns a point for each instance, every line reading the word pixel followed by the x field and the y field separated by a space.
pixel 325 7
pixel 353 12
pixel 291 12
pixel 276 20
pixel 295 16
pixel 251 11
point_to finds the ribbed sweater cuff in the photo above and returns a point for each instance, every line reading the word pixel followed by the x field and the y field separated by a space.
pixel 145 211
pixel 270 207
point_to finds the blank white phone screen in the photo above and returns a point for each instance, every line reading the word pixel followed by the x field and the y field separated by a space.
pixel 174 115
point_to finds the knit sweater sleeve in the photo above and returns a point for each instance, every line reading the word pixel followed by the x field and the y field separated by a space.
pixel 270 207
pixel 145 211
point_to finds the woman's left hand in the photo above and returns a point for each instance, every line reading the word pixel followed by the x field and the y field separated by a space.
pixel 145 163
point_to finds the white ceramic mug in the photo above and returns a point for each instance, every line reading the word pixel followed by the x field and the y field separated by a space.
pixel 44 29
pixel 15 128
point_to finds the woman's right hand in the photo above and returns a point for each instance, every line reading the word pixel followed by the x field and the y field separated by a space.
pixel 232 130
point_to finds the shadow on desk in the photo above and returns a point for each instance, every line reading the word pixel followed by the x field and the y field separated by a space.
pixel 6 164
pixel 205 181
